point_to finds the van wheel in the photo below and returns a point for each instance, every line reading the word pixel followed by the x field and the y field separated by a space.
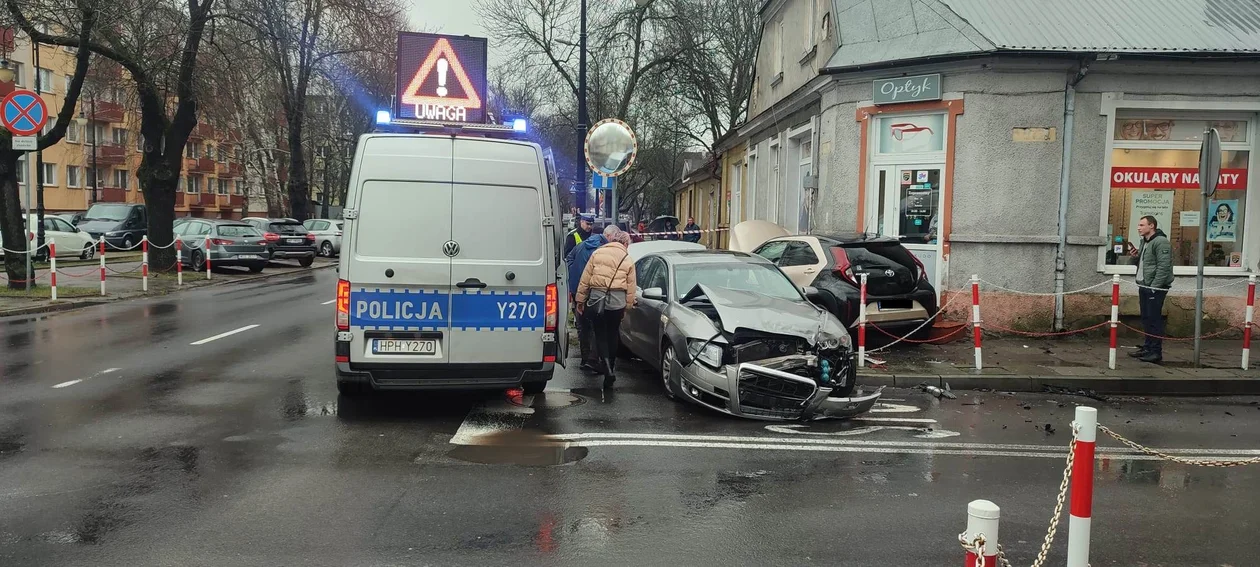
pixel 306 262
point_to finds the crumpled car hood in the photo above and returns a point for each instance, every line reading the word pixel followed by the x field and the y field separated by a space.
pixel 756 312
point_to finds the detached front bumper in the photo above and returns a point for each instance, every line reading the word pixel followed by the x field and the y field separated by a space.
pixel 759 392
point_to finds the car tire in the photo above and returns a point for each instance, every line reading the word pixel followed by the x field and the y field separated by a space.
pixel 348 388
pixel 198 261
pixel 256 268
pixel 306 262
pixel 533 388
pixel 326 249
pixel 128 244
pixel 667 371
pixel 89 252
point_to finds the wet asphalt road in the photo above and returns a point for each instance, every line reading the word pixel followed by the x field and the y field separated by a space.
pixel 238 451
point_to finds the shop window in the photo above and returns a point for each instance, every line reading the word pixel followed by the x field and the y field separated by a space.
pixel 1164 183
pixel 922 133
pixel 1177 130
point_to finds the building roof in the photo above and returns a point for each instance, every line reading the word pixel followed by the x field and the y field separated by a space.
pixel 882 31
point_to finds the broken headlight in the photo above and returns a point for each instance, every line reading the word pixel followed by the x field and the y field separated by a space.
pixel 705 351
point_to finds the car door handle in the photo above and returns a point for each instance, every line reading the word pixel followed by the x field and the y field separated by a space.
pixel 471 283
pixel 811 270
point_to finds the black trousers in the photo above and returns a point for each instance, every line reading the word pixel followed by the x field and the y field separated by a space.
pixel 605 326
pixel 1151 302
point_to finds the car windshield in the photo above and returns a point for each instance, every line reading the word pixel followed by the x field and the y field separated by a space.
pixel 758 278
pixel 239 231
pixel 107 213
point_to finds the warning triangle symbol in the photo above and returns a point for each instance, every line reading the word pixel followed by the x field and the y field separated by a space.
pixel 441 50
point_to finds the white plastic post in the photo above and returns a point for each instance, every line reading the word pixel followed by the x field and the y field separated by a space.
pixel 102 244
pixel 52 268
pixel 209 269
pixel 975 318
pixel 1115 319
pixel 1249 319
pixel 179 262
pixel 144 263
pixel 982 519
pixel 862 324
pixel 1082 504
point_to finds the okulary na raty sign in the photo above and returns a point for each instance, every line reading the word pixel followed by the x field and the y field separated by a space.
pixel 1173 178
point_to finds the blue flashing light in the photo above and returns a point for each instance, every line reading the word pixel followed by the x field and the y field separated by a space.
pixel 520 125
pixel 382 117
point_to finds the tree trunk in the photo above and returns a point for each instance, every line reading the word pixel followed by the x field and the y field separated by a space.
pixel 12 226
pixel 299 187
pixel 159 185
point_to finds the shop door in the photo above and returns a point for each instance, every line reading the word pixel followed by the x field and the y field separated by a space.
pixel 906 203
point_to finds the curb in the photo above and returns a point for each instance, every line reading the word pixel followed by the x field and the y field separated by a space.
pixel 72 305
pixel 1223 384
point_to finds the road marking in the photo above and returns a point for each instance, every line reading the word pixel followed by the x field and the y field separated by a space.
pixel 923 432
pixel 329 302
pixel 73 382
pixel 894 408
pixel 222 335
pixel 922 420
pixel 492 417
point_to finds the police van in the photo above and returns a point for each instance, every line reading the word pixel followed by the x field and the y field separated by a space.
pixel 450 273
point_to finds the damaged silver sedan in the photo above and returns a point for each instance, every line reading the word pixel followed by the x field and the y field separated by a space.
pixel 727 330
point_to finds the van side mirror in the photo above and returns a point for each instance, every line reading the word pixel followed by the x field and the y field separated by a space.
pixel 653 293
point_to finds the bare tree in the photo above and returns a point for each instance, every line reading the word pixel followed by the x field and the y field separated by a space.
pixel 12 221
pixel 158 43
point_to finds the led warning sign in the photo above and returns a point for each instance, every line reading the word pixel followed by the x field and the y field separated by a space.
pixel 441 78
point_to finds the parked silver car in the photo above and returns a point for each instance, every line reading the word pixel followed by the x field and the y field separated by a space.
pixel 226 242
pixel 727 330
pixel 327 236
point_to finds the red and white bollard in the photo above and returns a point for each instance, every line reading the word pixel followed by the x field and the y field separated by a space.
pixel 52 269
pixel 1115 319
pixel 144 263
pixel 862 324
pixel 208 268
pixel 1082 505
pixel 102 243
pixel 1248 321
pixel 982 520
pixel 975 317
pixel 179 262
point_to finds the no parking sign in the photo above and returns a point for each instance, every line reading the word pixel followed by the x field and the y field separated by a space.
pixel 23 113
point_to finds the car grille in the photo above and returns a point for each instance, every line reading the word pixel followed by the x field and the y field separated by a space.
pixel 766 395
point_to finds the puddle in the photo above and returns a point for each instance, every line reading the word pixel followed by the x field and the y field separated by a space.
pixel 556 400
pixel 518 448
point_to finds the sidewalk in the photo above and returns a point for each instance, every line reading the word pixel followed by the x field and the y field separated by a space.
pixel 1034 365
pixel 79 286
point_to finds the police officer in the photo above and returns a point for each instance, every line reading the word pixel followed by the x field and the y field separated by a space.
pixel 576 237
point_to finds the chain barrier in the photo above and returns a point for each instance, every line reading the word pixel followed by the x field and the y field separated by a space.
pixel 1209 288
pixel 1040 294
pixel 929 320
pixel 919 341
pixel 93 273
pixel 24 252
pixel 1183 339
pixel 122 272
pixel 1182 460
pixel 991 326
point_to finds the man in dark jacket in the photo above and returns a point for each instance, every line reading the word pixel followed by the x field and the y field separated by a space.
pixel 691 232
pixel 1154 277
pixel 576 236
pixel 577 259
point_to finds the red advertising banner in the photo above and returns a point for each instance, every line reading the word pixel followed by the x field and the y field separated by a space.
pixel 1172 178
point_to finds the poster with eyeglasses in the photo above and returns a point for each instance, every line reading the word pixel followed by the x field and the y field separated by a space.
pixel 912 134
pixel 1222 226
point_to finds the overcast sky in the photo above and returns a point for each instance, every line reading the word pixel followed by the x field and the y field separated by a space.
pixel 453 17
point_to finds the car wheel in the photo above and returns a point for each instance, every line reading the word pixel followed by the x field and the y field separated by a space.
pixel 306 262
pixel 88 252
pixel 256 268
pixel 667 371
pixel 533 388
pixel 128 244
pixel 347 388
pixel 198 261
pixel 326 249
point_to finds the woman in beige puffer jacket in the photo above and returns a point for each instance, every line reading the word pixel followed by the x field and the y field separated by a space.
pixel 608 280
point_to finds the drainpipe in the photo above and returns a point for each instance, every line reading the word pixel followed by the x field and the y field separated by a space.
pixel 1065 184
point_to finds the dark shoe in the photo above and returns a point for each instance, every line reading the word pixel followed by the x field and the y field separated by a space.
pixel 589 366
pixel 1139 353
pixel 1152 357
pixel 609 380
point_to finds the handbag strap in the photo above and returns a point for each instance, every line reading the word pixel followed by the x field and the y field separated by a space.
pixel 608 290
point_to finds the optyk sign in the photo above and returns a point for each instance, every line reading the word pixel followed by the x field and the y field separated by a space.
pixel 907 89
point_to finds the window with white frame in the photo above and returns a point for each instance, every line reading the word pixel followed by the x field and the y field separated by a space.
pixel 74 176
pixel 49 175
pixel 72 133
pixel 66 84
pixel 778 48
pixel 811 24
pixel 239 187
pixel 223 186
pixel 1154 172
pixel 194 150
pixel 21 170
pixel 45 83
pixel 120 137
pixel 122 179
pixel 194 184
pixel 49 125
pixel 19 74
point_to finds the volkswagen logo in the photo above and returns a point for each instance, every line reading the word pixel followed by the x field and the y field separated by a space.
pixel 888 273
pixel 450 248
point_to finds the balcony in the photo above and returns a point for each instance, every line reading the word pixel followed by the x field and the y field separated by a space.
pixel 231 170
pixel 105 154
pixel 236 201
pixel 112 195
pixel 179 198
pixel 202 131
pixel 103 111
pixel 201 200
pixel 202 165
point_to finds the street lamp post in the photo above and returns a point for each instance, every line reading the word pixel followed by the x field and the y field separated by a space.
pixel 85 122
pixel 580 167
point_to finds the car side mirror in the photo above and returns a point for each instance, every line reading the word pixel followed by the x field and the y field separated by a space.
pixel 811 293
pixel 653 293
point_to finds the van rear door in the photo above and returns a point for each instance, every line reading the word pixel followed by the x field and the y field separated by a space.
pixel 499 276
pixel 399 276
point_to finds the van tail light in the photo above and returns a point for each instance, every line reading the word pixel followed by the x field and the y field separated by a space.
pixel 271 236
pixel 843 268
pixel 310 237
pixel 552 309
pixel 220 242
pixel 343 305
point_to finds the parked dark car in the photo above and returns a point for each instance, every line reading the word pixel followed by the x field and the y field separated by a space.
pixel 728 331
pixel 286 239
pixel 230 243
pixel 122 224
pixel 899 292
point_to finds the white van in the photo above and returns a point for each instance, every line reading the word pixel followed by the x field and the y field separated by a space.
pixel 450 273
